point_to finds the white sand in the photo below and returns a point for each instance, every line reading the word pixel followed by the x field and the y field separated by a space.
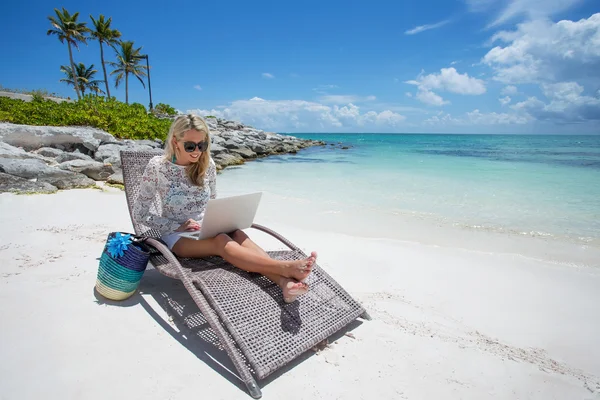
pixel 448 323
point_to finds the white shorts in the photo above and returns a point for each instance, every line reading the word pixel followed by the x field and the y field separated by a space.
pixel 170 239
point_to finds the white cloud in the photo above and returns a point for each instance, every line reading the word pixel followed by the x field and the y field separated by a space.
pixel 504 100
pixel 301 115
pixel 510 9
pixel 428 97
pixel 427 27
pixel 345 99
pixel 268 75
pixel 543 51
pixel 454 63
pixel 197 87
pixel 476 117
pixel 450 80
pixel 322 89
pixel 509 90
pixel 567 104
pixel 447 80
pixel 408 94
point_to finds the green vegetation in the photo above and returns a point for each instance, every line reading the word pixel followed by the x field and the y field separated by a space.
pixel 66 27
pixel 162 108
pixel 210 116
pixel 128 63
pixel 103 33
pixel 84 78
pixel 126 121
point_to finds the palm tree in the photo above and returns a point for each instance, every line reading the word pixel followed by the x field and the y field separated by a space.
pixel 128 63
pixel 66 27
pixel 104 34
pixel 83 78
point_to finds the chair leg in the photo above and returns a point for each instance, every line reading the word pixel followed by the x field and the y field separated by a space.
pixel 365 316
pixel 212 319
pixel 224 338
pixel 254 390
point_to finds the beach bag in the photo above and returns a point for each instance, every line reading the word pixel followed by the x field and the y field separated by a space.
pixel 122 264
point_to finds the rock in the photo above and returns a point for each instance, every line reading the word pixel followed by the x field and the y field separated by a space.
pixel 66 179
pixel 68 156
pixel 8 151
pixel 34 137
pixel 117 178
pixel 155 144
pixel 14 184
pixel 217 149
pixel 27 168
pixel 258 148
pixel 92 169
pixel 111 153
pixel 225 159
pixel 217 140
pixel 242 151
pixel 345 147
pixel 49 152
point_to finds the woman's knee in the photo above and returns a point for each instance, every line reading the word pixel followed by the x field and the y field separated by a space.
pixel 222 239
pixel 239 236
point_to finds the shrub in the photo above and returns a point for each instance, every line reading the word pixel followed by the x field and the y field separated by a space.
pixel 121 120
pixel 163 108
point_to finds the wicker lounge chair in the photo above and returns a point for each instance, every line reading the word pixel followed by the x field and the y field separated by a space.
pixel 259 331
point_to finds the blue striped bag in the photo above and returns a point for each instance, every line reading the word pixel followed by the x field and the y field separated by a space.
pixel 122 264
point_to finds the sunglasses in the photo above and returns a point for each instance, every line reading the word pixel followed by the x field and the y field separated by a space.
pixel 189 147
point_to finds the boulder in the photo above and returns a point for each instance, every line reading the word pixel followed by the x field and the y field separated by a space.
pixel 8 151
pixel 66 179
pixel 243 151
pixel 14 184
pixel 34 137
pixel 92 169
pixel 217 149
pixel 258 148
pixel 27 168
pixel 117 177
pixel 217 140
pixel 110 153
pixel 69 156
pixel 49 152
pixel 226 159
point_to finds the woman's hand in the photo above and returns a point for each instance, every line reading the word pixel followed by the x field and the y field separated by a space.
pixel 189 225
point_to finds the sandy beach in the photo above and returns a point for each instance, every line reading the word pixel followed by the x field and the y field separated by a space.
pixel 448 323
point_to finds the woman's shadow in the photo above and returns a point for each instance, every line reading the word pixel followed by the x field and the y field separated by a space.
pixel 187 325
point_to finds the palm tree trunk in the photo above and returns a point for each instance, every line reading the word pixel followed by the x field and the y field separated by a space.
pixel 74 71
pixel 126 87
pixel 104 69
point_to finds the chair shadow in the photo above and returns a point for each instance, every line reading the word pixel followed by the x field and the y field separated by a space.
pixel 191 330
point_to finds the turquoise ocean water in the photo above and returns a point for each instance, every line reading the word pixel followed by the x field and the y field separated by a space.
pixel 523 185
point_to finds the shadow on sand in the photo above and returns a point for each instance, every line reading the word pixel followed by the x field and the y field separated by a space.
pixel 188 326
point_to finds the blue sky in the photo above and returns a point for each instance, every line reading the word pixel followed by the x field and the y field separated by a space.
pixel 472 66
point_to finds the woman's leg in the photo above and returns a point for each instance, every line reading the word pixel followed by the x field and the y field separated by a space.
pixel 290 287
pixel 250 258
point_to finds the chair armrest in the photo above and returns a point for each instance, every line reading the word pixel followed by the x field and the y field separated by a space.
pixel 276 236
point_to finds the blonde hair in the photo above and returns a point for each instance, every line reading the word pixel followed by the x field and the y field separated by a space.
pixel 180 125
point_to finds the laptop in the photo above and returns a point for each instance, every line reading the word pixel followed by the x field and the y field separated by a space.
pixel 226 214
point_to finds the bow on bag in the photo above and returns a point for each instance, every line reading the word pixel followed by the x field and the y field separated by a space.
pixel 118 244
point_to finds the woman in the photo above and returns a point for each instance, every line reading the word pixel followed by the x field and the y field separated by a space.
pixel 184 179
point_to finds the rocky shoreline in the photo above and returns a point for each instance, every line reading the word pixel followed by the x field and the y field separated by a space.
pixel 45 159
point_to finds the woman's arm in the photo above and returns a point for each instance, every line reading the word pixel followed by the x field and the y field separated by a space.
pixel 212 179
pixel 144 208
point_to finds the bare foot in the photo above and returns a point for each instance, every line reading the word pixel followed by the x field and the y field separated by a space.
pixel 291 289
pixel 300 269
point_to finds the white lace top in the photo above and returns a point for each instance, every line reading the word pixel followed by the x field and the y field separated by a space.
pixel 167 198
